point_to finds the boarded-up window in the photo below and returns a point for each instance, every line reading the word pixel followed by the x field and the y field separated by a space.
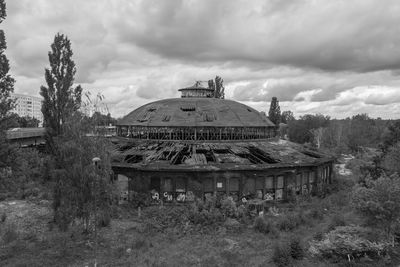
pixel 208 185
pixel 269 182
pixel 298 184
pixel 279 187
pixel 234 188
pixel 167 186
pixel 249 186
pixel 269 192
pixel 234 184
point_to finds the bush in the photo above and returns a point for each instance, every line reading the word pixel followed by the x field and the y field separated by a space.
pixel 264 226
pixel 282 255
pixel 9 234
pixel 290 221
pixel 228 207
pixel 335 221
pixel 348 242
pixel 296 249
pixel 104 218
pixel 3 217
pixel 318 235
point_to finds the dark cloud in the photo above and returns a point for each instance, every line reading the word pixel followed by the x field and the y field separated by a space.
pixel 326 56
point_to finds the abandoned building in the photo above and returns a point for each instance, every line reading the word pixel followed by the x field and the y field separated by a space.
pixel 197 145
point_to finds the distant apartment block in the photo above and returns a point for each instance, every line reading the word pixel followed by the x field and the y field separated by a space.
pixel 28 106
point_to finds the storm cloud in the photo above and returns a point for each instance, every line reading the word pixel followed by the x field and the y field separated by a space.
pixel 334 57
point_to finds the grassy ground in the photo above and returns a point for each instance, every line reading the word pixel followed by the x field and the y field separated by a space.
pixel 27 238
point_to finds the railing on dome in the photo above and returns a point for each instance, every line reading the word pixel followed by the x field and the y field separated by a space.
pixel 196 133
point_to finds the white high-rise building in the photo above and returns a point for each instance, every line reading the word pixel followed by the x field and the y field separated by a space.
pixel 27 105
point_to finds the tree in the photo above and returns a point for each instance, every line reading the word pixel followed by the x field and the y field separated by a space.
pixel 362 131
pixel 6 88
pixel 274 113
pixel 379 202
pixel 391 159
pixel 60 99
pixel 218 87
pixel 27 122
pixel 304 130
pixel 6 81
pixel 287 116
pixel 391 136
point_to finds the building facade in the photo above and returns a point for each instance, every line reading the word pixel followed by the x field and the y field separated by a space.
pixel 26 105
pixel 196 146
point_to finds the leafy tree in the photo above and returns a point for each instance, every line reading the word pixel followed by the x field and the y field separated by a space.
pixel 27 122
pixel 305 129
pixel 6 81
pixel 6 88
pixel 218 86
pixel 274 113
pixel 379 202
pixel 287 116
pixel 82 190
pixel 362 132
pixel 391 136
pixel 60 99
pixel 391 159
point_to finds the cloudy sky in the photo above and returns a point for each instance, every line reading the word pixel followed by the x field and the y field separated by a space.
pixel 338 58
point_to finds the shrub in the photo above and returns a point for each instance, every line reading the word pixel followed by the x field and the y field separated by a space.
pixel 335 221
pixel 3 217
pixel 290 221
pixel 104 218
pixel 281 255
pixel 228 207
pixel 348 242
pixel 9 234
pixel 296 249
pixel 318 235
pixel 265 226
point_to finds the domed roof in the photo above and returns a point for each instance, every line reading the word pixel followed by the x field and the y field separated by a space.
pixel 193 112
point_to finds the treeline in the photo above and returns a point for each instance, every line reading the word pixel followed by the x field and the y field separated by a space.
pixel 350 135
pixel 347 135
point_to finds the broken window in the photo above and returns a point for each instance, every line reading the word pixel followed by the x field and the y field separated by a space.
pixel 298 184
pixel 259 188
pixel 208 184
pixel 269 193
pixel 234 188
pixel 249 188
pixel 279 187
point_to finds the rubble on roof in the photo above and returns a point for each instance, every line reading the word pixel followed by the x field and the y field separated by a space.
pixel 261 153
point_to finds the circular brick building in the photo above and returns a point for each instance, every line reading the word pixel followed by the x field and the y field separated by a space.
pixel 197 145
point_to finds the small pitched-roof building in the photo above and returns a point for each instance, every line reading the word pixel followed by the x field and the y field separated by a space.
pixel 197 145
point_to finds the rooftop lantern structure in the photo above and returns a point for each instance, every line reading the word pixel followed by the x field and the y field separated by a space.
pixel 196 116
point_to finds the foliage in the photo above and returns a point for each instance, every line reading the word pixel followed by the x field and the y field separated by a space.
pixel 282 255
pixel 82 190
pixel 287 116
pixel 391 135
pixel 60 99
pixel 347 242
pixel 362 131
pixel 290 221
pixel 6 88
pixel 27 122
pixel 265 226
pixel 6 81
pixel 296 249
pixel 379 202
pixel 305 129
pixel 392 158
pixel 228 207
pixel 274 113
pixel 218 86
